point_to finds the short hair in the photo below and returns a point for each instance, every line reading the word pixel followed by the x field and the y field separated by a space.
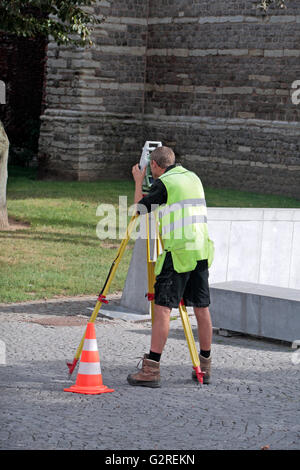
pixel 164 156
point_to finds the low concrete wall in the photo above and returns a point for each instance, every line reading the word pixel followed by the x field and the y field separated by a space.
pixel 256 245
pixel 251 245
pixel 256 309
pixel 136 284
pixel 134 296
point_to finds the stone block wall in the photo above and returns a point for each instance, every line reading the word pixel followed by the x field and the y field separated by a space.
pixel 93 126
pixel 211 79
pixel 218 87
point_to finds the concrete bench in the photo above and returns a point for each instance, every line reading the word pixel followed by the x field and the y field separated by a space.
pixel 256 309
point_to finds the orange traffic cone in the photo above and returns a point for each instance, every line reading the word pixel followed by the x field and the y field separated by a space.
pixel 89 378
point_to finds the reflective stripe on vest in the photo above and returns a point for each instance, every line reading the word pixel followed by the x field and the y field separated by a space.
pixel 192 219
pixel 181 205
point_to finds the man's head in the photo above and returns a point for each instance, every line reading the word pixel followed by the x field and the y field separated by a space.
pixel 160 159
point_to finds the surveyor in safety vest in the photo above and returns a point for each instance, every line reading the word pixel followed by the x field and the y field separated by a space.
pixel 182 269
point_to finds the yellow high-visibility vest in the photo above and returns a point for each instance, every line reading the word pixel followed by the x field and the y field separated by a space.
pixel 183 221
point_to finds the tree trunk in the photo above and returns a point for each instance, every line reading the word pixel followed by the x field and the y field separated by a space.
pixel 4 145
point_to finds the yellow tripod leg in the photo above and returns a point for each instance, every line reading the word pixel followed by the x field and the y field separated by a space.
pixel 187 330
pixel 151 281
pixel 150 270
pixel 102 295
pixel 190 341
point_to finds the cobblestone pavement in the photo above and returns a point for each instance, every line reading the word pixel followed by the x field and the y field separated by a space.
pixel 252 402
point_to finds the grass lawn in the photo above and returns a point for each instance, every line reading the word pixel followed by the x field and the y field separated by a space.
pixel 59 253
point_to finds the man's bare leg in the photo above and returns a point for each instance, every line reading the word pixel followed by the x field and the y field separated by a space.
pixel 160 328
pixel 204 327
pixel 205 340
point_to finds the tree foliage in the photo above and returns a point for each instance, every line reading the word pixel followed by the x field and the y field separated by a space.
pixel 67 21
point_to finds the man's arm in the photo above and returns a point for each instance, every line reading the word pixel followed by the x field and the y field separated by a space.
pixel 156 196
pixel 138 176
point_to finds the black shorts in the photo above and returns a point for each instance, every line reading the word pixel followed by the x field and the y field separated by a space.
pixel 170 286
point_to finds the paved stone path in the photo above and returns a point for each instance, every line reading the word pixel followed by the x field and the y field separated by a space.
pixel 252 402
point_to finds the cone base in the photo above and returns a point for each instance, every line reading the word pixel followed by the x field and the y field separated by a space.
pixel 89 390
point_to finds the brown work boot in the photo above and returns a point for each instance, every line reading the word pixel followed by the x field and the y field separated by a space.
pixel 148 376
pixel 205 366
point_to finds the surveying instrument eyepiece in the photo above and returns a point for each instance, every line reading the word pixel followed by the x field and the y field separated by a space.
pixel 145 162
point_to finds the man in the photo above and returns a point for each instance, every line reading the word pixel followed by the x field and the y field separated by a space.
pixel 182 269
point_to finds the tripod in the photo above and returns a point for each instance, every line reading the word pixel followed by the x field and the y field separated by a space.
pixel 151 280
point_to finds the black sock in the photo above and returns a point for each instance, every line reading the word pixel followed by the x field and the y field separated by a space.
pixel 205 354
pixel 153 356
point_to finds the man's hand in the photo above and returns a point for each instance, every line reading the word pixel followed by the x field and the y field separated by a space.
pixel 138 176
